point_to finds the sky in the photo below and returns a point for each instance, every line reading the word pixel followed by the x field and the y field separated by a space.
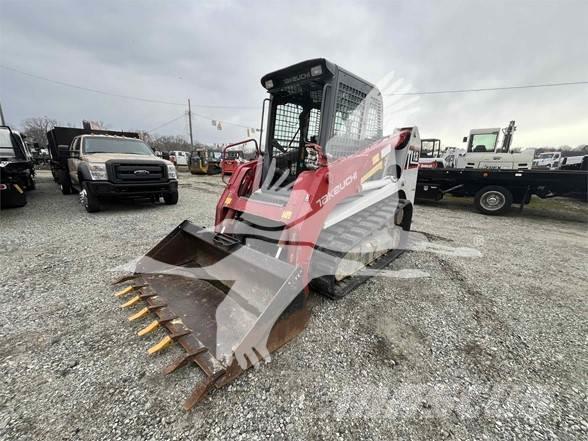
pixel 215 52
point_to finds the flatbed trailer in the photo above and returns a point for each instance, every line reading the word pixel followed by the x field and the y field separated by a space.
pixel 495 191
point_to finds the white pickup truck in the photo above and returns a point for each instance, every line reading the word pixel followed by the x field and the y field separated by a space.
pixel 548 160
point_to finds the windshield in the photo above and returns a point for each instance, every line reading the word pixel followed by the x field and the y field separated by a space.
pixel 546 155
pixel 235 154
pixel 6 147
pixel 483 143
pixel 115 145
pixel 428 149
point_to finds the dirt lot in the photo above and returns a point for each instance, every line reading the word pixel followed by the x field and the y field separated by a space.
pixel 487 347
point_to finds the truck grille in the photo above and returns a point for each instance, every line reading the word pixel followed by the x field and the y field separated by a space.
pixel 136 173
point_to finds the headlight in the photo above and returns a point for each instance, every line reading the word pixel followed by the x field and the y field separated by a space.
pixel 97 171
pixel 171 172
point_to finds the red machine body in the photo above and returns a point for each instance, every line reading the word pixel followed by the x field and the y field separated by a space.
pixel 314 195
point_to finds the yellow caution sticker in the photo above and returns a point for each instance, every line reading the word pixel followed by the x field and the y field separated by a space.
pixel 163 343
pixel 131 302
pixel 149 328
pixel 18 188
pixel 228 200
pixel 127 290
pixel 142 313
pixel 287 214
pixel 375 158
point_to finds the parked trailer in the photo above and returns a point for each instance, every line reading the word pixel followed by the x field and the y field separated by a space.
pixel 494 191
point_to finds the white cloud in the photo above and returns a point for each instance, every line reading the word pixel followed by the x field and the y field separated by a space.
pixel 215 53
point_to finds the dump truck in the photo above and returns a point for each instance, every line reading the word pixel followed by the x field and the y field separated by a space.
pixel 102 165
pixel 326 205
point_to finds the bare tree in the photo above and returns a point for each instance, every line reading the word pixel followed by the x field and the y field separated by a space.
pixel 167 143
pixel 36 128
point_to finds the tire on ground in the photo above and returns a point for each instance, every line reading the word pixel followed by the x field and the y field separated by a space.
pixel 64 182
pixel 171 198
pixel 89 200
pixel 493 200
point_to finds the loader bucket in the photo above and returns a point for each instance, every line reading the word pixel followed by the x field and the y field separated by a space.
pixel 227 305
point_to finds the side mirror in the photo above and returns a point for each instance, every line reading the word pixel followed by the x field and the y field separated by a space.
pixel 465 139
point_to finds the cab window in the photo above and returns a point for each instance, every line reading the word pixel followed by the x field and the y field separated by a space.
pixel 483 143
pixel 75 147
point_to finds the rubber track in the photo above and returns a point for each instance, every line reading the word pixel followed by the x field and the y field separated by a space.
pixel 347 235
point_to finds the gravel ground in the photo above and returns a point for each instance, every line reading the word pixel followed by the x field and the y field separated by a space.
pixel 488 347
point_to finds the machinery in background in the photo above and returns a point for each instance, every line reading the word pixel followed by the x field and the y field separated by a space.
pixel 496 177
pixel 490 149
pixel 432 156
pixel 205 162
pixel 328 202
pixel 232 159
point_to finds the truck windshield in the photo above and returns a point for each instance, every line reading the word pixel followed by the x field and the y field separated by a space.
pixel 115 145
pixel 483 142
pixel 6 147
pixel 546 155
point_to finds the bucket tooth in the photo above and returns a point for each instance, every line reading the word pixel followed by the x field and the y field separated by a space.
pixel 125 291
pixel 163 343
pixel 182 361
pixel 149 328
pixel 131 302
pixel 124 278
pixel 201 389
pixel 142 313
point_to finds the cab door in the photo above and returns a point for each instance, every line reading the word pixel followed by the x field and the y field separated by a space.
pixel 73 161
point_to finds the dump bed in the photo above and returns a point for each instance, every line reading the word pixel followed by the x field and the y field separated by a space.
pixel 64 136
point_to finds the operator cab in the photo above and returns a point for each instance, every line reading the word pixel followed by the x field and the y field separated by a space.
pixel 483 140
pixel 316 102
pixel 495 140
pixel 430 148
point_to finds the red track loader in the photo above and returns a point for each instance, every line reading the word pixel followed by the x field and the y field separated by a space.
pixel 325 204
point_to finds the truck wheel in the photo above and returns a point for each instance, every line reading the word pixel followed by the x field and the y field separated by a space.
pixel 171 198
pixel 13 198
pixel 64 183
pixel 88 200
pixel 493 200
pixel 65 188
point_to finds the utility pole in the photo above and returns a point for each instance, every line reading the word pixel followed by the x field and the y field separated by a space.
pixel 1 116
pixel 190 123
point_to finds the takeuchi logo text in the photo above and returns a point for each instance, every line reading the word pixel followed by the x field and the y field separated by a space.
pixel 337 189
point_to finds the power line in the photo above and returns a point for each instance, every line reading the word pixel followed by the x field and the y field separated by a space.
pixel 128 97
pixel 486 89
pixel 166 123
pixel 200 116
